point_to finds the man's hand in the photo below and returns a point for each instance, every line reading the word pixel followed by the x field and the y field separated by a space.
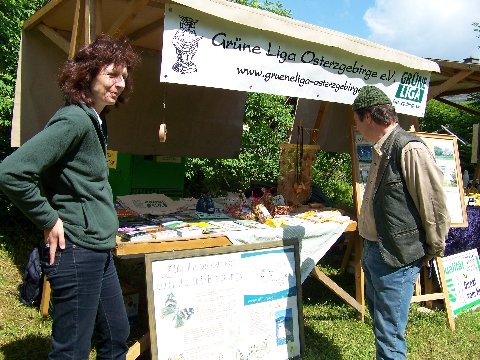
pixel 54 237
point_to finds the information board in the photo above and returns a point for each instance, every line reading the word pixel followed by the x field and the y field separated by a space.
pixel 462 275
pixel 234 302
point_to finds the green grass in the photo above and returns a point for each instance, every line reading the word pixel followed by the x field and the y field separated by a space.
pixel 331 328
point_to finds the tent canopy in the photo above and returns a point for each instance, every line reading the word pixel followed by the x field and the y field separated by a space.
pixel 196 116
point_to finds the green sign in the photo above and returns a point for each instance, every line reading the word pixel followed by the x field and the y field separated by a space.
pixel 462 275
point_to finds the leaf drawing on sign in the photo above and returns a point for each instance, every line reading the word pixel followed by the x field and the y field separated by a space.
pixel 179 316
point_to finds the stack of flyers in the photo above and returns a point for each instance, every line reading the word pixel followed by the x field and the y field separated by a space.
pixel 135 235
pixel 162 219
pixel 216 215
pixel 175 224
pixel 229 225
pixel 207 227
pixel 165 234
pixel 147 233
pixel 293 220
pixel 252 224
pixel 188 231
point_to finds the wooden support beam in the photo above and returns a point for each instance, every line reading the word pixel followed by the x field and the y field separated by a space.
pixel 75 30
pixel 443 295
pixel 139 347
pixel 55 37
pixel 459 106
pixel 45 300
pixel 89 18
pixel 98 17
pixel 359 275
pixel 446 298
pixel 35 19
pixel 131 11
pixel 336 289
pixel 146 30
pixel 439 89
pixel 322 113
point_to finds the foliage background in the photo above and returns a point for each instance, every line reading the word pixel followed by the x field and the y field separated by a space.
pixel 330 326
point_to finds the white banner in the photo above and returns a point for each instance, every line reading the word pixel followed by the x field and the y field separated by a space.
pixel 204 50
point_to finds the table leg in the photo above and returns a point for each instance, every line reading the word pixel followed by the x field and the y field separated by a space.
pixel 45 301
pixel 138 347
pixel 359 276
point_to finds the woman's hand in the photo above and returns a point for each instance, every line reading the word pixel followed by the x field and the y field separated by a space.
pixel 54 237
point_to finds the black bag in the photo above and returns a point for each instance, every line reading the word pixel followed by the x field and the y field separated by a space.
pixel 30 291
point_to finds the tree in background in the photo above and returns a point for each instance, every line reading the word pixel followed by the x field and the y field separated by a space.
pixel 458 121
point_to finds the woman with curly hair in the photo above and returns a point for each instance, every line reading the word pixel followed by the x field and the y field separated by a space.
pixel 59 179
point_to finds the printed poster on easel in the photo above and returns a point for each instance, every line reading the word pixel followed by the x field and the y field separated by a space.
pixel 362 160
pixel 445 150
pixel 235 302
pixel 462 274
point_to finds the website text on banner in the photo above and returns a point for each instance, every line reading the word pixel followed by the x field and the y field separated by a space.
pixel 204 50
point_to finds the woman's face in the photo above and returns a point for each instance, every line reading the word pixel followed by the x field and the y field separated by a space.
pixel 108 85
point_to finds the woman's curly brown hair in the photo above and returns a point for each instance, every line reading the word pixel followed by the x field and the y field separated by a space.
pixel 77 74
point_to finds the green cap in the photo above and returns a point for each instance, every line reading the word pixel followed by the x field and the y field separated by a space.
pixel 369 96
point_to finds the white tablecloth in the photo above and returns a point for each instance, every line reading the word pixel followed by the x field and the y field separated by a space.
pixel 315 240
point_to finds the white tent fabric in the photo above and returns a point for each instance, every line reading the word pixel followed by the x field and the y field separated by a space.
pixel 201 121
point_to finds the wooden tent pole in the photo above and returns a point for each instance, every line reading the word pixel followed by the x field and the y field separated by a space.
pixel 76 29
pixel 55 37
pixel 321 115
pixel 89 18
pixel 98 17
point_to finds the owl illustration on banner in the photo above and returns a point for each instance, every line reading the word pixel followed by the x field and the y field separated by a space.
pixel 185 42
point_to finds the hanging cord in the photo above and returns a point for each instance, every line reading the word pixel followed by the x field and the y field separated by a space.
pixel 162 131
pixel 297 175
pixel 301 155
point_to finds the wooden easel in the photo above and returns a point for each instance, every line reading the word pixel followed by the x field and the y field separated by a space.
pixel 429 296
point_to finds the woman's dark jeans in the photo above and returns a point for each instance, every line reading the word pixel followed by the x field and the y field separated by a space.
pixel 86 296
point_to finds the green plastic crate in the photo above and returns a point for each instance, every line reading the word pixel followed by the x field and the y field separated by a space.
pixel 139 174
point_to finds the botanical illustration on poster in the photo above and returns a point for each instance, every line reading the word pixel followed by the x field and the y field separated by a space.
pixel 445 150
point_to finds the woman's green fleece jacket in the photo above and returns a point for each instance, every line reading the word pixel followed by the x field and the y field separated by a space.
pixel 62 173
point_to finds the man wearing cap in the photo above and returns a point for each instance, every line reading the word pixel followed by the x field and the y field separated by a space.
pixel 403 219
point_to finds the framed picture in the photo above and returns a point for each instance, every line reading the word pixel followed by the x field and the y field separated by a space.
pixel 361 160
pixel 233 302
pixel 445 150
